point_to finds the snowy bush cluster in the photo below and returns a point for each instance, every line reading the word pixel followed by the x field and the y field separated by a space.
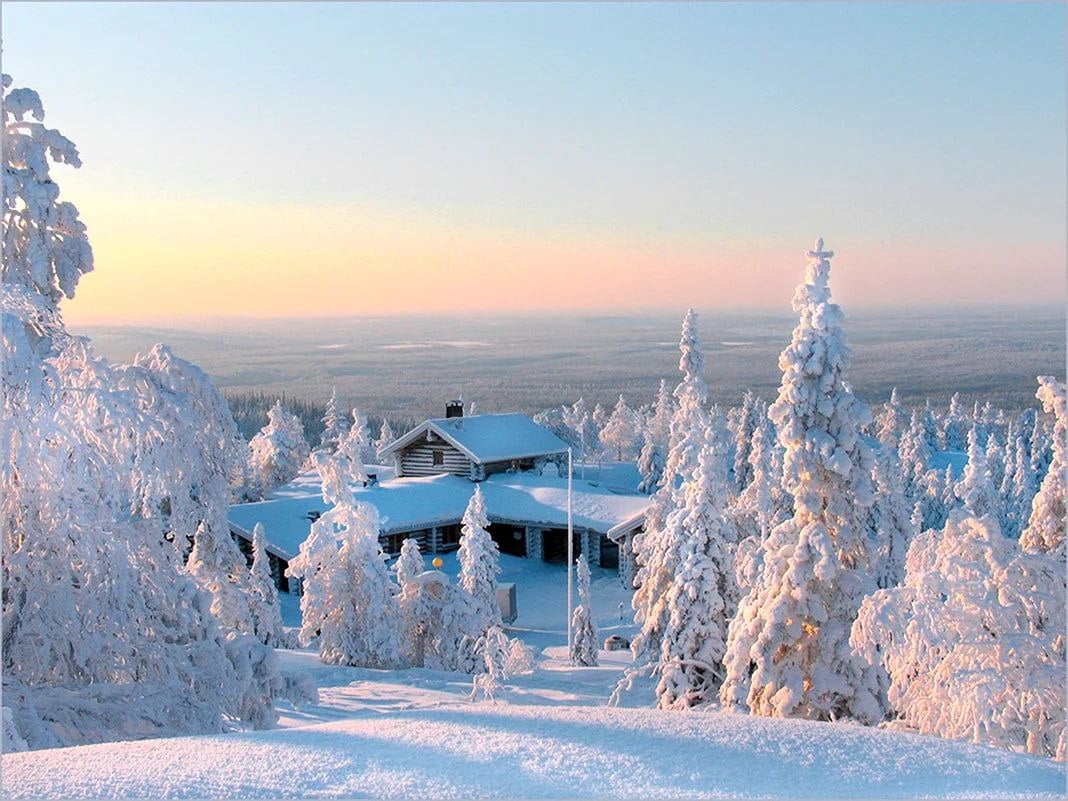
pixel 109 472
pixel 807 559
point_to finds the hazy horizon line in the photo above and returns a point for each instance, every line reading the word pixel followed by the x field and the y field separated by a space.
pixel 182 321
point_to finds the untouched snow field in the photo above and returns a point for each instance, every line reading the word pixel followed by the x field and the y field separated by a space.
pixel 414 733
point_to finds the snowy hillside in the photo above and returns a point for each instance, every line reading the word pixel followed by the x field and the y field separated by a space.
pixel 413 733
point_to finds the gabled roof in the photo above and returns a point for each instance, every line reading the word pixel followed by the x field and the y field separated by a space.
pixel 488 437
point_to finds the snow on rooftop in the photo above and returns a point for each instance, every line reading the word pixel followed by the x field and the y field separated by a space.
pixel 490 437
pixel 411 504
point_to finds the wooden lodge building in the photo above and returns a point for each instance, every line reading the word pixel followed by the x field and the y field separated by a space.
pixel 521 468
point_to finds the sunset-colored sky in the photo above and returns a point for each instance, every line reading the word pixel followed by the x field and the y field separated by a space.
pixel 329 159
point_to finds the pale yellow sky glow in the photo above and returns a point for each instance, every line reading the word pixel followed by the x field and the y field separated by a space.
pixel 201 258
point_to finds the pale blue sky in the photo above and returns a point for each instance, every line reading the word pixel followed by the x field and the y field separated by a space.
pixel 932 127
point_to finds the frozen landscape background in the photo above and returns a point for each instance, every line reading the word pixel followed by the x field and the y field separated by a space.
pixel 405 367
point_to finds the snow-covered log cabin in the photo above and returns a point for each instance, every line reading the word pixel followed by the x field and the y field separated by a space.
pixel 522 469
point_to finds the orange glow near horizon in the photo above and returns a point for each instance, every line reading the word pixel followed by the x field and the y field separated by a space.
pixel 164 260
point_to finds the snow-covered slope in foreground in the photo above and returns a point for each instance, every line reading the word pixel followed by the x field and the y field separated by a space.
pixel 486 750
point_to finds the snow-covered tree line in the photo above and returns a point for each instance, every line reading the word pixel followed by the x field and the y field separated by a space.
pixel 782 570
pixel 110 471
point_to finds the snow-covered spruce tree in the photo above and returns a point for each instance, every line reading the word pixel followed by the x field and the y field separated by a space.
pixel 266 613
pixel 1045 528
pixel 277 453
pixel 385 437
pixel 915 455
pixel 973 640
pixel 743 423
pixel 104 636
pixel 584 644
pixel 655 438
pixel 891 421
pixel 621 435
pixel 494 649
pixel 955 426
pixel 1020 496
pixel 889 520
pixel 479 563
pixel 761 506
pixel 579 421
pixel 333 424
pixel 653 549
pixel 414 615
pixel 219 567
pixel 349 600
pixel 995 464
pixel 975 490
pixel 701 597
pixel 788 651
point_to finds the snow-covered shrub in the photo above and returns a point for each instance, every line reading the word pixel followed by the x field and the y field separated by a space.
pixel 493 649
pixel 349 601
pixel 520 659
pixel 973 640
pixel 298 688
pixel 583 629
pixel 788 651
pixel 256 669
pixel 1045 528
pixel 107 470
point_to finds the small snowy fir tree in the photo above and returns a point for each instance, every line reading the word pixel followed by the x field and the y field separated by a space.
pixel 655 439
pixel 583 629
pixel 890 520
pixel 278 451
pixel 333 424
pixel 494 649
pixel 891 421
pixel 973 640
pixel 975 490
pixel 385 437
pixel 266 613
pixel 408 567
pixel 349 600
pixel 788 651
pixel 743 423
pixel 621 435
pixel 761 506
pixel 955 428
pixel 1045 529
pixel 219 567
pixel 479 563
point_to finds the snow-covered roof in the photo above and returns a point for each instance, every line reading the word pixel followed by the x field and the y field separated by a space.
pixel 412 504
pixel 488 437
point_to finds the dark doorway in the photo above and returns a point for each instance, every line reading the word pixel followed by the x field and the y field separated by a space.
pixel 554 545
pixel 609 553
pixel 509 539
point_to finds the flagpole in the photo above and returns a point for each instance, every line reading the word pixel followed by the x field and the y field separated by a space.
pixel 570 551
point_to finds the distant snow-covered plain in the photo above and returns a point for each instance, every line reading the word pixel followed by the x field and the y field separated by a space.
pixel 406 367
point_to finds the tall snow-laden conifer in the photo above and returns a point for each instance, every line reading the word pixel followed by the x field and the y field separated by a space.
pixel 701 596
pixel 408 567
pixel 653 548
pixel 788 651
pixel 655 440
pixel 385 437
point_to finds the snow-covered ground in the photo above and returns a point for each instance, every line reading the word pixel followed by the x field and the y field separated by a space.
pixel 414 733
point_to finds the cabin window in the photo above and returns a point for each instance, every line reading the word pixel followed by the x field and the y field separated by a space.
pixel 439 458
